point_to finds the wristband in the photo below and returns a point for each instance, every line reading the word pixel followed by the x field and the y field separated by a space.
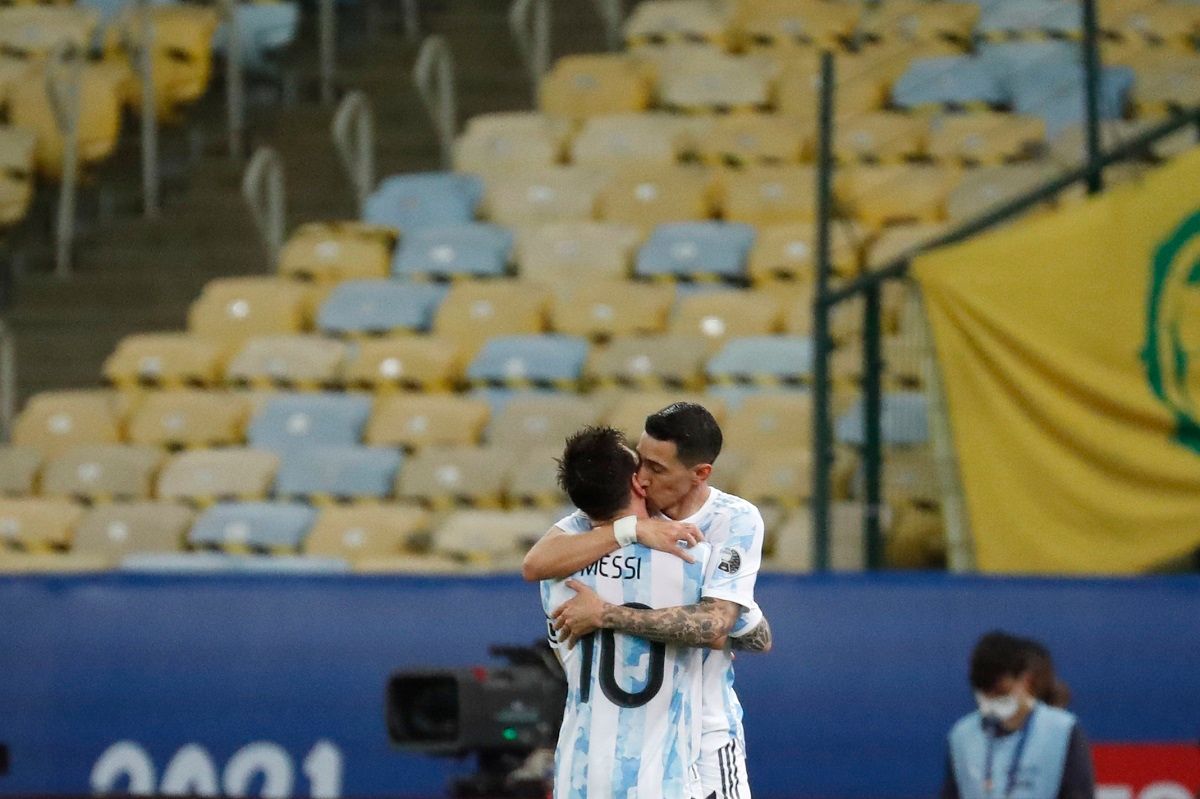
pixel 625 530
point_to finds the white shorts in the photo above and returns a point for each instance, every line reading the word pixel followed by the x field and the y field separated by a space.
pixel 723 772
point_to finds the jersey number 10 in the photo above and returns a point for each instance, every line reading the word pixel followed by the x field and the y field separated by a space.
pixel 608 669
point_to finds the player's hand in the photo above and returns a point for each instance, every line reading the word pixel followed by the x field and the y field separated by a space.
pixel 580 615
pixel 665 535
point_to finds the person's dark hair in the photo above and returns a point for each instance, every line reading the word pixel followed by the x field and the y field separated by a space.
pixel 997 655
pixel 696 434
pixel 1047 686
pixel 596 470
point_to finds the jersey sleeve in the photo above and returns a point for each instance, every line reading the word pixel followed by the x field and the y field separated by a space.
pixel 575 523
pixel 733 568
pixel 747 620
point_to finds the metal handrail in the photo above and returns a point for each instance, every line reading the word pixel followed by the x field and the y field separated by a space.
pixel 354 137
pixel 8 380
pixel 434 78
pixel 64 76
pixel 327 36
pixel 412 19
pixel 612 14
pixel 529 21
pixel 234 86
pixel 263 190
pixel 150 171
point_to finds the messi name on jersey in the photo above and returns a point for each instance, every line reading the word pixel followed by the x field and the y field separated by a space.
pixel 616 567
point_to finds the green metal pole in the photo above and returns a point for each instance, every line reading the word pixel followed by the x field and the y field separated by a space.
pixel 822 460
pixel 872 426
pixel 1091 85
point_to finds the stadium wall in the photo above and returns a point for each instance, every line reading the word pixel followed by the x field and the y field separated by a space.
pixel 238 683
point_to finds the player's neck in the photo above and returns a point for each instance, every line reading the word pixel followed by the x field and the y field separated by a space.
pixel 689 503
pixel 637 508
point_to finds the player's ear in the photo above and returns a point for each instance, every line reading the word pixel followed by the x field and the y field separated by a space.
pixel 638 489
pixel 701 472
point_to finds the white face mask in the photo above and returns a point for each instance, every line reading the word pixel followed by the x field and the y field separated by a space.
pixel 1000 709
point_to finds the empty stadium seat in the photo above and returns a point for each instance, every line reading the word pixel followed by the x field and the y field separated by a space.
pixel 55 421
pixel 293 362
pixel 415 422
pixel 778 476
pixel 367 531
pixel 490 538
pixel 859 88
pixel 38 525
pixel 659 22
pixel 1056 95
pixel 324 474
pixel 469 250
pixel 181 48
pixel 1167 85
pixel 883 195
pixel 607 308
pixel 770 421
pixel 474 312
pixel 205 476
pixel 910 477
pixel 646 197
pixel 715 83
pixel 770 195
pixel 412 363
pixel 910 21
pixel 985 137
pixel 904 421
pixel 16 171
pixel 34 32
pixel 103 472
pixel 743 139
pixel 523 361
pixel 535 420
pixel 260 527
pixel 948 82
pixel 1069 145
pixel 896 241
pixel 189 419
pixel 166 360
pixel 797 23
pixel 445 477
pixel 983 189
pixel 788 252
pixel 1172 25
pixel 651 362
pixel 263 29
pixel 696 251
pixel 581 86
pixel 1018 19
pixel 762 360
pixel 231 310
pixel 379 307
pixel 290 420
pixel 880 136
pixel 429 199
pixel 628 139
pixel 510 141
pixel 629 410
pixel 717 316
pixel 541 196
pixel 19 469
pixel 336 251
pixel 117 530
pixel 533 482
pixel 794 547
pixel 571 251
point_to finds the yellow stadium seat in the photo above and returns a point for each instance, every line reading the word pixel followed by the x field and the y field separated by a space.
pixel 19 469
pixel 879 136
pixel 103 472
pixel 510 140
pixel 114 531
pixel 182 54
pixel 858 88
pixel 896 241
pixel 779 476
pixel 650 197
pixel 794 546
pixel 412 363
pixel 582 86
pixel 55 421
pixel 788 252
pixel 296 362
pixel 495 540
pixel 34 32
pixel 533 482
pixel 336 251
pixel 628 410
pixel 232 310
pixel 716 83
pixel 883 195
pixel 445 477
pixel 177 419
pixel 986 187
pixel 628 140
pixel 910 21
pixel 535 420
pixel 910 477
pixel 204 476
pixel 798 23
pixel 1069 147
pixel 17 148
pixel 1170 24
pixel 608 308
pixel 741 139
pixel 1166 86
pixel 660 22
pixel 717 316
pixel 770 195
pixel 414 421
pixel 474 312
pixel 985 137
pixel 770 421
pixel 356 533
pixel 166 360
pixel 38 525
pixel 651 362
pixel 916 539
pixel 576 251
pixel 543 195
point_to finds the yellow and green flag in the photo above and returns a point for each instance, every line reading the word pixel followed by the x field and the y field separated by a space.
pixel 1069 348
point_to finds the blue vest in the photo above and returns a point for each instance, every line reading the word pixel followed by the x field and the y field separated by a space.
pixel 1042 757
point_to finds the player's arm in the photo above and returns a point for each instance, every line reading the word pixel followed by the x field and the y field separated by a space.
pixel 759 639
pixel 561 554
pixel 707 623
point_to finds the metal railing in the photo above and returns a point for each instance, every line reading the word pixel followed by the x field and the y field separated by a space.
pixel 64 77
pixel 264 191
pixel 434 78
pixel 530 22
pixel 412 19
pixel 612 14
pixel 8 380
pixel 149 131
pixel 354 136
pixel 235 89
pixel 327 35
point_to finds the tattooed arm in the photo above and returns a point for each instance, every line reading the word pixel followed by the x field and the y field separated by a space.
pixel 704 624
pixel 759 639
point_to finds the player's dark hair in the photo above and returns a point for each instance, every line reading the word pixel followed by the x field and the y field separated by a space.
pixel 998 655
pixel 696 434
pixel 596 470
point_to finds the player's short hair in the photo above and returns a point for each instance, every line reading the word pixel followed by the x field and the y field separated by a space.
pixel 596 471
pixel 696 434
pixel 998 655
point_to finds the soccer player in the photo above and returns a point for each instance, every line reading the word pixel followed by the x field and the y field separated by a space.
pixel 632 722
pixel 677 450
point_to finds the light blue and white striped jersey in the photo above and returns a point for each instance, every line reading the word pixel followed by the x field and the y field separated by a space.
pixel 632 726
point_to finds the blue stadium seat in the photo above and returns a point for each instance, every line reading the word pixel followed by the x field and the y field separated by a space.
pixel 253 527
pixel 947 81
pixel 336 472
pixel 477 249
pixel 696 250
pixel 208 562
pixel 427 199
pixel 524 361
pixel 762 360
pixel 1022 18
pixel 291 420
pixel 905 420
pixel 379 307
pixel 263 28
pixel 1057 96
